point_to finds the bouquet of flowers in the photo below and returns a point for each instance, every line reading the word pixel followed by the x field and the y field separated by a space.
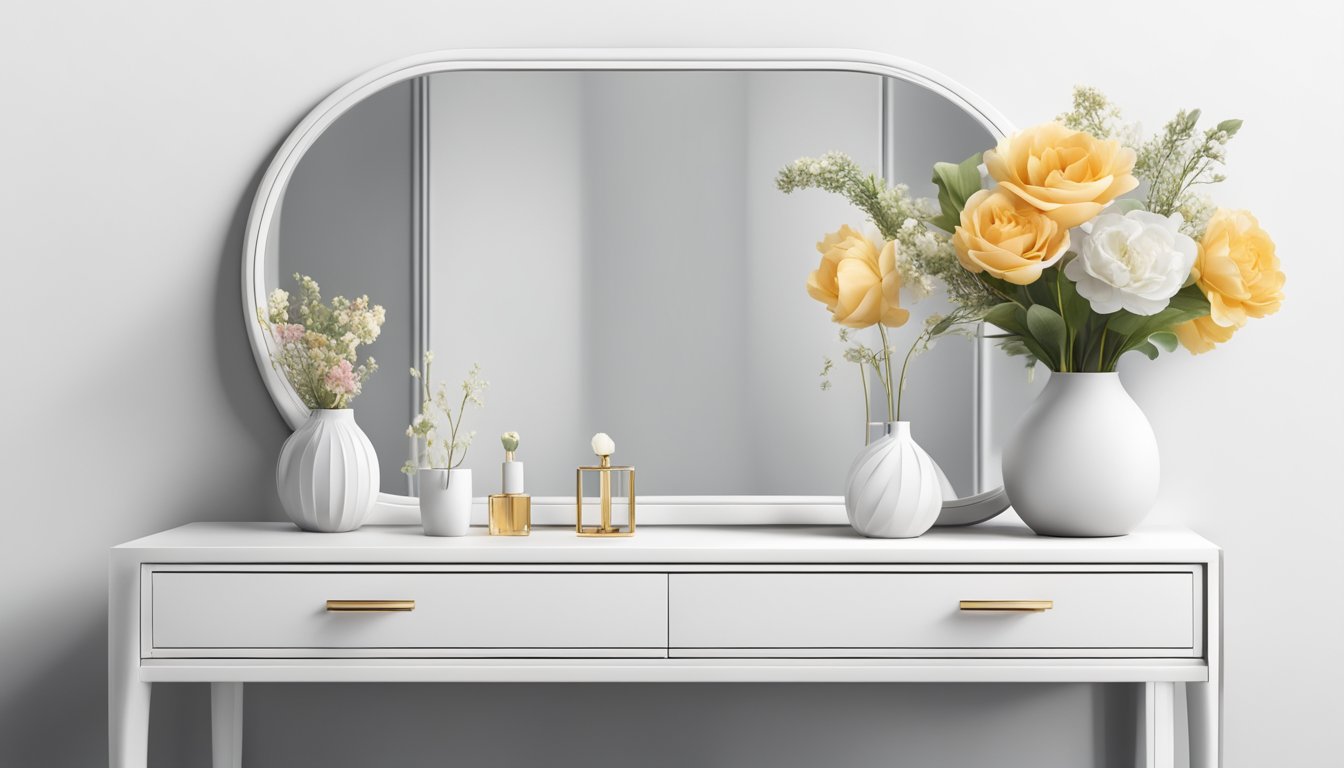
pixel 862 274
pixel 317 345
pixel 438 440
pixel 1079 241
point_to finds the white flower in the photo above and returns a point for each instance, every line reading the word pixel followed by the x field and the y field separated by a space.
pixel 603 444
pixel 1135 262
pixel 277 306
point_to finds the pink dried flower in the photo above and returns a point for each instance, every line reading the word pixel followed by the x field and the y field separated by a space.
pixel 288 333
pixel 341 379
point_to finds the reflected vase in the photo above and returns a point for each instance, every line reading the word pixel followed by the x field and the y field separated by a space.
pixel 327 475
pixel 893 490
pixel 1084 460
pixel 445 501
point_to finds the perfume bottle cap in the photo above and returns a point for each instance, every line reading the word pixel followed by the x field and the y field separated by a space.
pixel 513 477
pixel 512 474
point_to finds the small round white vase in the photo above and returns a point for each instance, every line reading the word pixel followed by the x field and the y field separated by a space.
pixel 893 490
pixel 445 501
pixel 328 473
pixel 1084 460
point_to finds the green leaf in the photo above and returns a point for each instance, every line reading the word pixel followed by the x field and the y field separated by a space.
pixel 1124 322
pixel 1047 327
pixel 1013 319
pixel 1230 126
pixel 1124 205
pixel 1075 309
pixel 1015 293
pixel 1008 316
pixel 1188 304
pixel 1148 349
pixel 941 326
pixel 956 183
pixel 1043 290
pixel 1165 339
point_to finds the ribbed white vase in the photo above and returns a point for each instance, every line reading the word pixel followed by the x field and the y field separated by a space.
pixel 328 473
pixel 893 490
pixel 1083 461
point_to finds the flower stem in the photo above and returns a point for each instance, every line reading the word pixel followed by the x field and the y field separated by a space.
pixel 1101 351
pixel 905 365
pixel 867 407
pixel 886 360
pixel 1066 355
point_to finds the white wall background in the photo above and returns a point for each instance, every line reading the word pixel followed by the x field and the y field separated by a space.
pixel 132 138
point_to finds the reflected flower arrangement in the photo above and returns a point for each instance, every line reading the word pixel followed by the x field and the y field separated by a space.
pixel 317 345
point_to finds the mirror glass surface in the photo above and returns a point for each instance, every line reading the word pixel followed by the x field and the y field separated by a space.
pixel 610 246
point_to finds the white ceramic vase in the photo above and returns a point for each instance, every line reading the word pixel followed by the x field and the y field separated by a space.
pixel 328 473
pixel 893 490
pixel 445 501
pixel 1084 460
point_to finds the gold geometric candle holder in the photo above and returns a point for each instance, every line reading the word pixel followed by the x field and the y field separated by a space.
pixel 612 488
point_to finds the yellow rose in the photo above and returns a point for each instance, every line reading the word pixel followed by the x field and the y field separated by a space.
pixel 1066 174
pixel 1238 271
pixel 856 282
pixel 1009 239
pixel 1201 334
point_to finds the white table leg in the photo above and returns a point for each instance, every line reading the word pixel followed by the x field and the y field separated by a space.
pixel 226 724
pixel 127 722
pixel 1204 701
pixel 127 695
pixel 1158 723
pixel 1204 706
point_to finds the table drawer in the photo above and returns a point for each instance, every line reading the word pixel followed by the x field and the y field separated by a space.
pixel 211 613
pixel 921 614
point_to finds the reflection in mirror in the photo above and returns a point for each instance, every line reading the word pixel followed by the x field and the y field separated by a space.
pixel 612 250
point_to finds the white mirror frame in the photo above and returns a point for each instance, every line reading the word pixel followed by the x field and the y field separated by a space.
pixel 393 509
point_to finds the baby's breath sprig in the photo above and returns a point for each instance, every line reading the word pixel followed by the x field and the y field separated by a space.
pixel 437 429
pixel 1181 158
pixel 1174 162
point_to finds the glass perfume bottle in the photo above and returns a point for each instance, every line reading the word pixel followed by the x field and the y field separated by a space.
pixel 510 511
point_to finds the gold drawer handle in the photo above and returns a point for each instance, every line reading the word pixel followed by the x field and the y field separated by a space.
pixel 1008 606
pixel 370 606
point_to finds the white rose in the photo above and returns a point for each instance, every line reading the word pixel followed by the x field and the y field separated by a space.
pixel 603 445
pixel 1135 262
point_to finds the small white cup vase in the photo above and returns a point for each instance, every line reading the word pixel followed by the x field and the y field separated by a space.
pixel 328 474
pixel 1084 460
pixel 445 501
pixel 893 490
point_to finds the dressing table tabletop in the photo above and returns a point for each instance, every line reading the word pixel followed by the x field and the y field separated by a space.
pixel 231 603
pixel 988 542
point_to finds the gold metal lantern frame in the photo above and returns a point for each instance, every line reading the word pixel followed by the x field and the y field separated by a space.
pixel 605 473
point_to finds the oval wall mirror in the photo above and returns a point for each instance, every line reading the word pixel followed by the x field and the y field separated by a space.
pixel 602 233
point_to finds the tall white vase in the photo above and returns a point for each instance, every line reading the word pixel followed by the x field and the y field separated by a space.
pixel 445 501
pixel 893 490
pixel 1084 460
pixel 328 473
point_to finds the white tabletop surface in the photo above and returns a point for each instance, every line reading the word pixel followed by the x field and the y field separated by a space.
pixel 989 542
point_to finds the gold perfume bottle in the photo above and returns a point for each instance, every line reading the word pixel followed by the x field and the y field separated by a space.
pixel 511 511
pixel 613 486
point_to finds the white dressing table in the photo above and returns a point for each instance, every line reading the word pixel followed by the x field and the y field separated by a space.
pixel 235 603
